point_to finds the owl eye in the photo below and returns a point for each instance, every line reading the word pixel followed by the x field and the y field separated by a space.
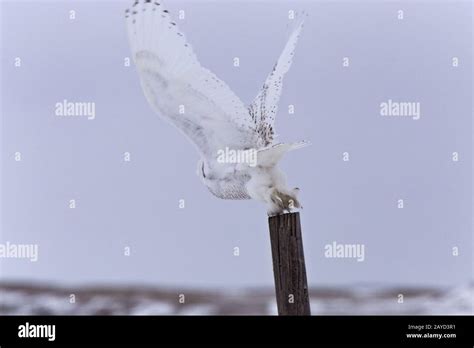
pixel 202 168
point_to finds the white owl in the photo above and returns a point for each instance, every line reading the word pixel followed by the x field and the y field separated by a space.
pixel 238 157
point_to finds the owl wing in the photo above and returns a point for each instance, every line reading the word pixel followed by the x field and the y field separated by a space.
pixel 182 91
pixel 265 106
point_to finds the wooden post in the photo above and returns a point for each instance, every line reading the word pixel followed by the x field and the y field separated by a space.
pixel 289 268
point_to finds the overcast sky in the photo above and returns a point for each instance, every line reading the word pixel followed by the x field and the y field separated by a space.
pixel 136 204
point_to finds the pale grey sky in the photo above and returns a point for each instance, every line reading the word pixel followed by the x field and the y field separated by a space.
pixel 135 204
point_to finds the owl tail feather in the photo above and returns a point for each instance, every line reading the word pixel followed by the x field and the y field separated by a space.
pixel 271 155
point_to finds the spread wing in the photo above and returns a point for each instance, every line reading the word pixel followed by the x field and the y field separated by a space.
pixel 178 88
pixel 265 106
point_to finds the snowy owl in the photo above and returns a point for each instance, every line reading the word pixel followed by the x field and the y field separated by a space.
pixel 238 156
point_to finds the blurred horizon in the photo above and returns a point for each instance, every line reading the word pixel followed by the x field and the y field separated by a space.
pixel 36 299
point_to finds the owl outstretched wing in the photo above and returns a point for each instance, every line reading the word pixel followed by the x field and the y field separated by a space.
pixel 265 106
pixel 182 91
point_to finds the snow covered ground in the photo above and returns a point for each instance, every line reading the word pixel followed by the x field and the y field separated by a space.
pixel 18 299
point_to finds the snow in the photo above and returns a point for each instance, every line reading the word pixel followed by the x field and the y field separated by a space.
pixel 36 300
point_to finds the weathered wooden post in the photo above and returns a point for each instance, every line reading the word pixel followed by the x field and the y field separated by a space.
pixel 289 268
